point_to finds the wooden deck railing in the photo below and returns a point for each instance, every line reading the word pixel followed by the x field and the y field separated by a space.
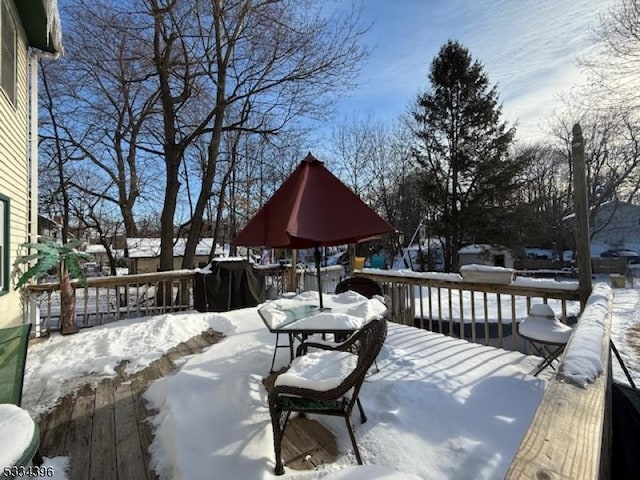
pixel 106 299
pixel 570 434
pixel 478 312
pixel 483 313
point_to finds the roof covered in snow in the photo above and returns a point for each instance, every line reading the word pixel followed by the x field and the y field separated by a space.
pixel 150 247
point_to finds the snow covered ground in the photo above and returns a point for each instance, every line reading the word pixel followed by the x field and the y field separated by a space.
pixel 439 408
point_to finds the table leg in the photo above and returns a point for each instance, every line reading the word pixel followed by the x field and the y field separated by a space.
pixel 278 345
pixel 291 352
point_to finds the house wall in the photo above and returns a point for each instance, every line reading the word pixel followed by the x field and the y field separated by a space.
pixel 151 265
pixel 622 231
pixel 14 172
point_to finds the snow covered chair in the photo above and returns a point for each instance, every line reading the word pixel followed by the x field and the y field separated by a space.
pixel 326 382
pixel 546 334
pixel 363 285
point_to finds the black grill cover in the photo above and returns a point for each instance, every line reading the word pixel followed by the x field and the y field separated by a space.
pixel 230 285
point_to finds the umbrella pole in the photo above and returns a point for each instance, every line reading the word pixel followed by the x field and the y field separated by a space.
pixel 316 256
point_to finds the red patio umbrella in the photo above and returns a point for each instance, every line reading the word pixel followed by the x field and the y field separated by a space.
pixel 312 208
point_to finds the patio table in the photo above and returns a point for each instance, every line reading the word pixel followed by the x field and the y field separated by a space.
pixel 298 319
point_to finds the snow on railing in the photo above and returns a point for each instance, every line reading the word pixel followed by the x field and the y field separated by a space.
pixel 481 312
pixel 570 434
pixel 107 299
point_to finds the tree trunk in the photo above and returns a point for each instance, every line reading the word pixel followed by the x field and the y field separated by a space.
pixel 68 324
pixel 164 292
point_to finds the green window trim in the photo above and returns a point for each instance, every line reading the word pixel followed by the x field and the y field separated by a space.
pixel 5 247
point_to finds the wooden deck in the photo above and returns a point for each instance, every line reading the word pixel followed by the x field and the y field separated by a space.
pixel 105 434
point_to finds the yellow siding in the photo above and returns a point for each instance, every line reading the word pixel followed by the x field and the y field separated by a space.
pixel 14 173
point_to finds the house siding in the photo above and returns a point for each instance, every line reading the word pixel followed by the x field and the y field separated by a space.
pixel 152 265
pixel 621 231
pixel 14 171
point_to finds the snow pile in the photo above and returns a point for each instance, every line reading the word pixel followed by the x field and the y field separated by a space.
pixel 447 277
pixel 542 324
pixel 582 362
pixel 370 472
pixel 60 364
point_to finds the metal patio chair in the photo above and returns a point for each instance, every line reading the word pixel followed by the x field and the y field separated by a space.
pixel 311 385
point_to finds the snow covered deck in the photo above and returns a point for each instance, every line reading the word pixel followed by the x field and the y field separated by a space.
pixel 440 407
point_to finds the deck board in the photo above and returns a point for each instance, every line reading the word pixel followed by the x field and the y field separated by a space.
pixel 130 462
pixel 53 428
pixel 145 430
pixel 106 433
pixel 79 434
pixel 104 430
pixel 102 451
pixel 306 443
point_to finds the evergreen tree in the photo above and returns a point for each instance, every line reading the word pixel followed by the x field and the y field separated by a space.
pixel 463 152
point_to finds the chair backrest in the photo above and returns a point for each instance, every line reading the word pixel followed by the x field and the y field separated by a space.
pixel 369 340
pixel 13 356
pixel 367 343
pixel 363 285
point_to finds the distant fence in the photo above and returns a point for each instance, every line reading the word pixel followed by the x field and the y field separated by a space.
pixel 599 265
pixel 617 265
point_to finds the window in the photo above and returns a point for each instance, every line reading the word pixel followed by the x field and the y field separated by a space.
pixel 8 36
pixel 4 244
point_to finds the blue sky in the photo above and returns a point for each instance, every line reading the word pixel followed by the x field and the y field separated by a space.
pixel 528 47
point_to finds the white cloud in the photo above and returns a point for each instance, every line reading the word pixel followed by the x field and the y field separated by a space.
pixel 528 47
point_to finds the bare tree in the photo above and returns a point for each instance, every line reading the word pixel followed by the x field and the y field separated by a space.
pixel 270 62
pixel 544 198
pixel 54 174
pixel 612 155
pixel 102 103
pixel 353 142
pixel 169 80
pixel 614 65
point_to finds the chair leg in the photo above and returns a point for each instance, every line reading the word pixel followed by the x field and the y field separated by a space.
pixel 363 417
pixel 347 419
pixel 548 356
pixel 279 423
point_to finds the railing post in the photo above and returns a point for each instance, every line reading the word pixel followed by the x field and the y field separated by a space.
pixel 33 310
pixel 582 214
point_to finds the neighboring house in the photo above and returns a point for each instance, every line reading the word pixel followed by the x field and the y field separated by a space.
pixel 483 254
pixel 29 29
pixel 144 253
pixel 616 226
pixel 49 228
pixel 99 254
